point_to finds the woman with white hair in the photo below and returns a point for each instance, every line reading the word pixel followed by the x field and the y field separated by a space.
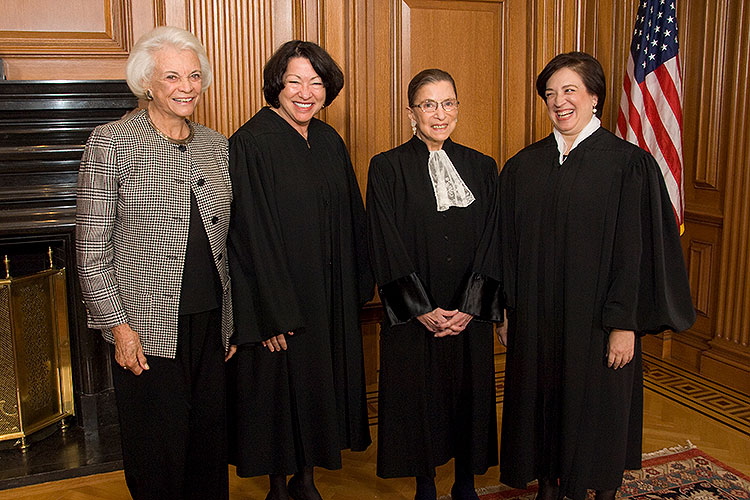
pixel 153 210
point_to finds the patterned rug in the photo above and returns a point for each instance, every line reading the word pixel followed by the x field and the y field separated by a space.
pixel 683 472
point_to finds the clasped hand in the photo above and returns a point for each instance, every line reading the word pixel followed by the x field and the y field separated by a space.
pixel 443 323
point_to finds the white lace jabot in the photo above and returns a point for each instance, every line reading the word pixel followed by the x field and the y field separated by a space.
pixel 449 188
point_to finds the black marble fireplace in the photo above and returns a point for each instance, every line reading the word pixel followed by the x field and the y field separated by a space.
pixel 43 127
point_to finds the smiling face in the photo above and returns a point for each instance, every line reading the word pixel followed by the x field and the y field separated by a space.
pixel 175 84
pixel 303 94
pixel 434 128
pixel 569 103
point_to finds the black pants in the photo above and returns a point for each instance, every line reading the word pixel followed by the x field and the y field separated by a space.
pixel 173 417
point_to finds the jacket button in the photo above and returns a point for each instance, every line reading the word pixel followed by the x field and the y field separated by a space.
pixel 201 182
pixel 214 219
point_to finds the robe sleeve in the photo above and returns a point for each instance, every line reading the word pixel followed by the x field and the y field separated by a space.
pixel 402 292
pixel 648 287
pixel 481 293
pixel 264 297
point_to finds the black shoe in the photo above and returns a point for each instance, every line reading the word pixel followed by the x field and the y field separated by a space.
pixel 426 489
pixel 299 491
pixel 463 492
pixel 277 487
pixel 277 496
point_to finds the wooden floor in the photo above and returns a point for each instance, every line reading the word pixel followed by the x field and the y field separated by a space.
pixel 666 423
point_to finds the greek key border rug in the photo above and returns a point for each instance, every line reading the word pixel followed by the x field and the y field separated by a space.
pixel 680 473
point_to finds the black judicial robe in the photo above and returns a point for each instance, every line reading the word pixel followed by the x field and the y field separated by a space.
pixel 436 395
pixel 588 246
pixel 298 262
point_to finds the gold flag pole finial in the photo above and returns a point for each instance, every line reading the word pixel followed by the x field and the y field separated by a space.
pixel 49 252
pixel 7 267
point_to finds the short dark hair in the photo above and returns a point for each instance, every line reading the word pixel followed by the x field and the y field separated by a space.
pixel 321 61
pixel 587 67
pixel 424 77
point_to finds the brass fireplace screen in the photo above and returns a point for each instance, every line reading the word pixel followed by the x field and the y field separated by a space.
pixel 36 388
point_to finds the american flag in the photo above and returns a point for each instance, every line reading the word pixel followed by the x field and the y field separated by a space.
pixel 651 105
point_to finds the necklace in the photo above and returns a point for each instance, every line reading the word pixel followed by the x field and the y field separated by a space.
pixel 170 139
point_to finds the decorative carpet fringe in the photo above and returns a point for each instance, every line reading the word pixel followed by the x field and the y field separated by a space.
pixel 669 451
pixel 486 490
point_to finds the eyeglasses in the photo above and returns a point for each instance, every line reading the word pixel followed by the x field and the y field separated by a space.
pixel 430 106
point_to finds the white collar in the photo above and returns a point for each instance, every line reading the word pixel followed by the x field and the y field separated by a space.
pixel 589 129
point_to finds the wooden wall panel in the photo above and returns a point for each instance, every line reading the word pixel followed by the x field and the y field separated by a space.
pixel 88 39
pixel 699 270
pixel 239 37
pixel 336 39
pixel 704 52
pixel 238 41
pixel 35 16
pixel 93 26
pixel 463 38
pixel 731 343
pixel 602 19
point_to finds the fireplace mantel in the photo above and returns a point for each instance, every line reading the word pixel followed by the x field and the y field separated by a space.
pixel 43 128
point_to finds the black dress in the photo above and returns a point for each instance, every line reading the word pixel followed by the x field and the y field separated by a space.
pixel 298 262
pixel 588 246
pixel 436 395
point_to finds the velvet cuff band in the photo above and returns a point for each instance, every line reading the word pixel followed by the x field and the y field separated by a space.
pixel 405 298
pixel 482 297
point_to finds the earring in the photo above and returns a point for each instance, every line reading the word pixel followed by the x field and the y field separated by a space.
pixel 149 95
pixel 594 110
pixel 413 127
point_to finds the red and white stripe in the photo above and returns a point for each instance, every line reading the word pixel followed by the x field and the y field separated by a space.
pixel 651 117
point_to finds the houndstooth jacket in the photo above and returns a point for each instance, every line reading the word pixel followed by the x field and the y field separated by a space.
pixel 132 223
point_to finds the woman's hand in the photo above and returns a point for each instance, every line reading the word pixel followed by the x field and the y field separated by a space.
pixel 620 348
pixel 435 320
pixel 128 349
pixel 456 324
pixel 277 343
pixel 444 323
pixel 230 352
